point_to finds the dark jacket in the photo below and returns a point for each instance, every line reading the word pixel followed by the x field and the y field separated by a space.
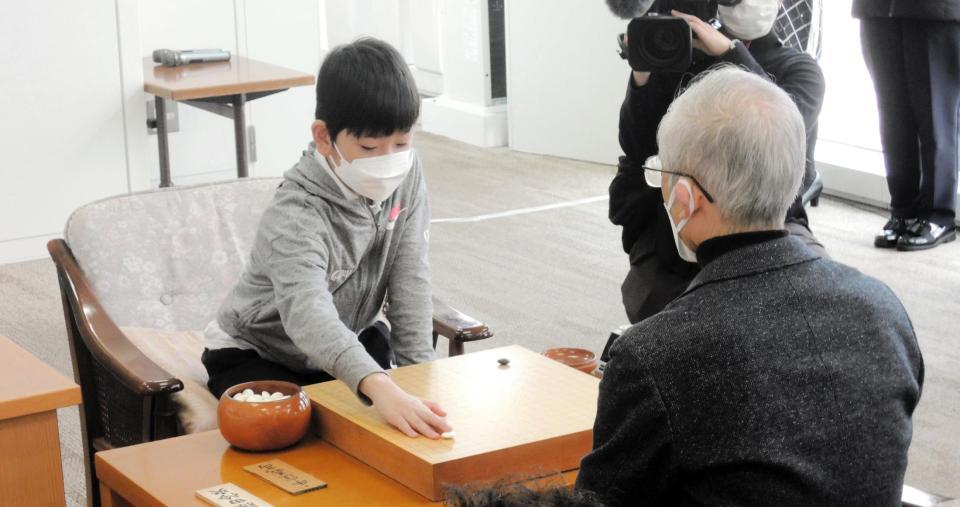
pixel 931 10
pixel 777 378
pixel 639 208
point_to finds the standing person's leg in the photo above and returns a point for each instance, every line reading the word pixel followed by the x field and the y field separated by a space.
pixel 934 82
pixel 882 44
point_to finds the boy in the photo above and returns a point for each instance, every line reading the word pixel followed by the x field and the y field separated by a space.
pixel 347 228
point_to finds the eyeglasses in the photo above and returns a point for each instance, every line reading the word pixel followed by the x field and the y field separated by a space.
pixel 653 168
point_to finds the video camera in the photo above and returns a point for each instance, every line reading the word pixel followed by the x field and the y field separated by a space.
pixel 659 42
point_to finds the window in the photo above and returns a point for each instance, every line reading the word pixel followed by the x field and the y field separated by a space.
pixel 849 126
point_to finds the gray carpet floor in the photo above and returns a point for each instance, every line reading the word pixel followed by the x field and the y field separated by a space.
pixel 551 277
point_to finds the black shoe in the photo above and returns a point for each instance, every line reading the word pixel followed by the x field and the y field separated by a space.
pixel 894 228
pixel 924 234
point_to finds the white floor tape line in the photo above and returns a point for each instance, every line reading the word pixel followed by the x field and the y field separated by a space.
pixel 521 211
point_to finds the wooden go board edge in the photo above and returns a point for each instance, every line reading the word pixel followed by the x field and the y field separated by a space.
pixel 370 448
pixel 559 455
pixel 543 458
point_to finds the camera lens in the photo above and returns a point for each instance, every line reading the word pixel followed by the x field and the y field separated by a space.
pixel 666 40
pixel 664 44
pixel 660 43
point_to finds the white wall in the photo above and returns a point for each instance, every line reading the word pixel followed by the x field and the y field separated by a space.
pixel 73 109
pixel 565 81
pixel 289 37
pixel 61 123
pixel 566 84
pixel 422 44
pixel 467 66
pixel 284 33
pixel 412 26
pixel 203 149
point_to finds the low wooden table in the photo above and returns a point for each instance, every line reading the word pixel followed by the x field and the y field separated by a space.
pixel 30 394
pixel 221 88
pixel 169 472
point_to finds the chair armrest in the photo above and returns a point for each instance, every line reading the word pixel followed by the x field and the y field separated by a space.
pixel 455 325
pixel 105 341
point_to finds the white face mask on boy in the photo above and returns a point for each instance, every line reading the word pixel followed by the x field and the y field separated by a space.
pixel 375 178
pixel 686 253
pixel 750 19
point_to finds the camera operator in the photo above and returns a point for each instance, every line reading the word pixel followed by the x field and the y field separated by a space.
pixel 657 273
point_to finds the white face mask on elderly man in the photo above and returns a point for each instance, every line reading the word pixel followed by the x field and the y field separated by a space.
pixel 750 19
pixel 685 252
pixel 374 177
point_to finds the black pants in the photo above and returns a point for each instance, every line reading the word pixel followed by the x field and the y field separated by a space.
pixel 229 367
pixel 915 67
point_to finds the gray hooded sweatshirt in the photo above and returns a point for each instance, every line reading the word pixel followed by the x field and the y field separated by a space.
pixel 321 267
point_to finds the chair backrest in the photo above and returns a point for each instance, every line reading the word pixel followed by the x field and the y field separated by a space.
pixel 166 258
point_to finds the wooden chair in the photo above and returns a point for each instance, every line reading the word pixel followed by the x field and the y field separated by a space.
pixel 126 395
pixel 456 327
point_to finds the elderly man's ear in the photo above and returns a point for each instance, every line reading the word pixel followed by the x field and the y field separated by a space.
pixel 684 194
pixel 321 137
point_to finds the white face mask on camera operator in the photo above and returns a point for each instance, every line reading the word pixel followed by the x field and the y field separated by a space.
pixel 750 19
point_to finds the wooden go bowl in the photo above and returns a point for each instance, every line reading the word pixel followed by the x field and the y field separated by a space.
pixel 581 359
pixel 264 425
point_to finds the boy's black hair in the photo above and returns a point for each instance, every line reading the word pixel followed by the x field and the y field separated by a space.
pixel 366 88
pixel 504 494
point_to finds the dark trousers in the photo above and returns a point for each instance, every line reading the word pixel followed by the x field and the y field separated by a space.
pixel 229 367
pixel 915 66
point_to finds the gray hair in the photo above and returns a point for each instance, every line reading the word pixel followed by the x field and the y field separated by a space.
pixel 743 139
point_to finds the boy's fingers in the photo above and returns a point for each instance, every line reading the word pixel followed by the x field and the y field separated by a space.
pixel 435 408
pixel 401 424
pixel 436 421
pixel 423 428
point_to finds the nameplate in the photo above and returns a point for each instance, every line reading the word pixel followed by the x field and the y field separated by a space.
pixel 230 495
pixel 285 476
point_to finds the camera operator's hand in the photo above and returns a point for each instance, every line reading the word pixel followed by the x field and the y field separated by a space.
pixel 639 78
pixel 708 39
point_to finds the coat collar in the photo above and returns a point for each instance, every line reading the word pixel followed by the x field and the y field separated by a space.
pixel 768 41
pixel 750 260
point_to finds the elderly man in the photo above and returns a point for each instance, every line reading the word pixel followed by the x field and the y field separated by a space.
pixel 778 377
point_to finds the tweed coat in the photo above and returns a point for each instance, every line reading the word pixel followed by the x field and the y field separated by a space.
pixel 777 378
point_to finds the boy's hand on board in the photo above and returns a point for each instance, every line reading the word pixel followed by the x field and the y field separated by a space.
pixel 409 414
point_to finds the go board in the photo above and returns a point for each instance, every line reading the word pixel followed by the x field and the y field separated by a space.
pixel 531 417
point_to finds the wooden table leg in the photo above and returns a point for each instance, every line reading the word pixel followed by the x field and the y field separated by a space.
pixel 161 109
pixel 30 468
pixel 240 133
pixel 110 498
